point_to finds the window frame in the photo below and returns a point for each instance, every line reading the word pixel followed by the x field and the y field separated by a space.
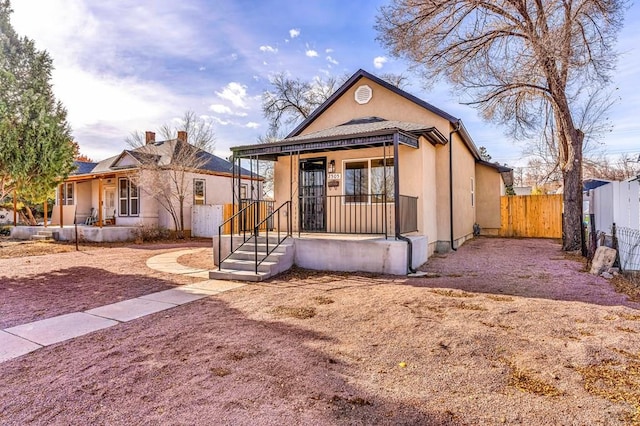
pixel 199 200
pixel 368 195
pixel 131 198
pixel 473 192
pixel 64 198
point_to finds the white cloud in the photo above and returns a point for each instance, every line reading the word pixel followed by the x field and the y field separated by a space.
pixel 333 61
pixel 294 32
pixel 252 125
pixel 328 50
pixel 268 49
pixel 202 68
pixel 311 53
pixel 223 109
pixel 235 93
pixel 220 109
pixel 379 61
pixel 221 121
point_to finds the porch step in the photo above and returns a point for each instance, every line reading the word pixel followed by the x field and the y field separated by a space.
pixel 236 274
pixel 42 235
pixel 241 264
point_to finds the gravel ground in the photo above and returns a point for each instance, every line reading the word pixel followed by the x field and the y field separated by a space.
pixel 500 332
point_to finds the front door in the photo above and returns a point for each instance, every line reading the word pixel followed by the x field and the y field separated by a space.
pixel 312 194
pixel 109 203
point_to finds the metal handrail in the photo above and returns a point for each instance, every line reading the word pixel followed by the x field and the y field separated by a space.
pixel 232 219
pixel 279 240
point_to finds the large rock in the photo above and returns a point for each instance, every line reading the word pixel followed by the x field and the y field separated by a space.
pixel 602 260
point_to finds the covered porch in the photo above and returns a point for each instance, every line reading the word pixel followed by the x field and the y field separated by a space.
pixel 341 194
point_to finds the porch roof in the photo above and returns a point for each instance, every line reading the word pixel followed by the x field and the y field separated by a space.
pixel 358 133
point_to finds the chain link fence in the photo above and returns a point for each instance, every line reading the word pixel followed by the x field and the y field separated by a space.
pixel 628 248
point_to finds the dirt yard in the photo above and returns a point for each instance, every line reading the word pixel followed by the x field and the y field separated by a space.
pixel 499 332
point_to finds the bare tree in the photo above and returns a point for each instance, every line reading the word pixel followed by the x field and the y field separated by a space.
pixel 516 59
pixel 164 171
pixel 200 132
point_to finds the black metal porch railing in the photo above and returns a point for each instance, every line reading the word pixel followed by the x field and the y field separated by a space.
pixel 356 214
pixel 345 214
pixel 275 216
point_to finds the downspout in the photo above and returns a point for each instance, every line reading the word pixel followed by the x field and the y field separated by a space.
pixel 455 130
pixel 396 203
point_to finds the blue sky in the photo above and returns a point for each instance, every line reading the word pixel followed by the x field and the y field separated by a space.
pixel 122 66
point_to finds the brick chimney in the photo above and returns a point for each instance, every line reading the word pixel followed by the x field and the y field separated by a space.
pixel 149 137
pixel 182 135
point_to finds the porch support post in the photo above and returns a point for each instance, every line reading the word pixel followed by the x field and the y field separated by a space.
pixel 46 212
pixel 60 199
pixel 396 183
pixel 15 208
pixel 100 202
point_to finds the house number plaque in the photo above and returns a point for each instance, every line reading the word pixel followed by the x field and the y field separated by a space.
pixel 333 176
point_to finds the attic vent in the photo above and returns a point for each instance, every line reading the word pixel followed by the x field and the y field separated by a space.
pixel 363 94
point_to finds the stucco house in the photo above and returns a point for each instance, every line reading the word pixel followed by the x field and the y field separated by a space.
pixel 121 191
pixel 377 162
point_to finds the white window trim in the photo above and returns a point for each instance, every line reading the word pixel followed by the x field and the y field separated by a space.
pixel 64 194
pixel 202 198
pixel 344 179
pixel 473 192
pixel 129 199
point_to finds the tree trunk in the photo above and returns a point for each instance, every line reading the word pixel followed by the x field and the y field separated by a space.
pixel 572 233
pixel 181 230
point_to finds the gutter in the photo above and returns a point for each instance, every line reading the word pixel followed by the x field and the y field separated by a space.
pixel 455 130
pixel 396 202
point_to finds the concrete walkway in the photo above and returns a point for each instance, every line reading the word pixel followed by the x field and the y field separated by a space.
pixel 25 338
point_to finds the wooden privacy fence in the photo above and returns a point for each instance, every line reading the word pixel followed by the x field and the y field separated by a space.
pixel 246 220
pixel 533 216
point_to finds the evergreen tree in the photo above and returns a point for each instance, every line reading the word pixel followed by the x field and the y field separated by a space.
pixel 36 151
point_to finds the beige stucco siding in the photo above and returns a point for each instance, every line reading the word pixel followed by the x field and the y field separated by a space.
pixel 463 164
pixel 384 103
pixel 489 188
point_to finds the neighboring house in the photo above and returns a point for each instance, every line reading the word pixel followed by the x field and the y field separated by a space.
pixel 374 159
pixel 116 192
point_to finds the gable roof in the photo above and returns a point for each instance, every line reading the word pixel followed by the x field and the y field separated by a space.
pixel 351 82
pixel 454 121
pixel 161 153
pixel 82 167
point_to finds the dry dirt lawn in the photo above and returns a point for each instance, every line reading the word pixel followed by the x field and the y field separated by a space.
pixel 499 332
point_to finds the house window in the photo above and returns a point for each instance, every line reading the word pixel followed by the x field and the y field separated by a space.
pixel 473 192
pixel 128 198
pixel 368 177
pixel 198 191
pixel 243 191
pixel 66 197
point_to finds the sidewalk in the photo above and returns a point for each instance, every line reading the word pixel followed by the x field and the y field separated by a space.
pixel 22 339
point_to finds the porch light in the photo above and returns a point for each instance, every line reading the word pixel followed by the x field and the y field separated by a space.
pixel 332 166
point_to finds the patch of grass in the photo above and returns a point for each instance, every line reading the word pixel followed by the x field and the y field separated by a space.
pixel 610 318
pixel 294 312
pixel 630 317
pixel 451 293
pixel 323 300
pixel 524 277
pixel 615 381
pixel 626 329
pixel 492 325
pixel 527 382
pixel 585 333
pixel 220 371
pixel 455 275
pixel 237 356
pixel 469 306
pixel 626 286
pixel 499 298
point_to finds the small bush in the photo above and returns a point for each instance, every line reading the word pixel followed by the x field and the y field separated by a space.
pixel 5 230
pixel 152 233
